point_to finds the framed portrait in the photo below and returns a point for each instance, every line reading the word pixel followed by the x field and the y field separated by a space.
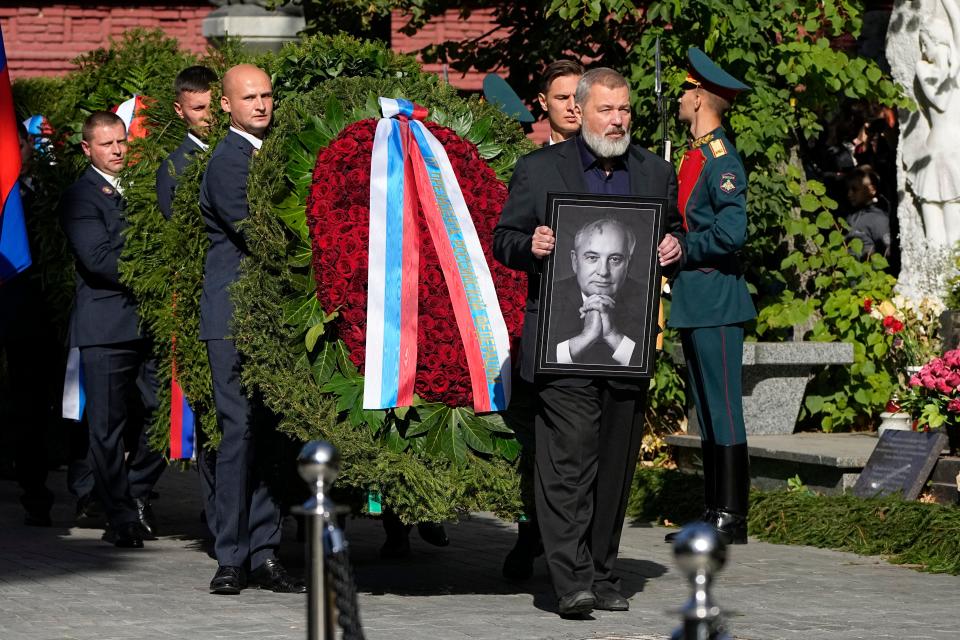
pixel 600 288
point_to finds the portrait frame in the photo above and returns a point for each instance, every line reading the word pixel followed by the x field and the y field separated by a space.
pixel 637 292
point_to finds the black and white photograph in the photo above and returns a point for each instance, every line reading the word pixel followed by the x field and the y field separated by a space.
pixel 600 288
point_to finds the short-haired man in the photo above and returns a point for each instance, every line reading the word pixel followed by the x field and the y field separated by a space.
pixel 557 86
pixel 588 429
pixel 593 310
pixel 115 356
pixel 247 528
pixel 192 91
pixel 710 297
pixel 868 222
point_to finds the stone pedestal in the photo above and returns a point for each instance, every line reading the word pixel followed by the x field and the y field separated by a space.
pixel 259 29
pixel 775 377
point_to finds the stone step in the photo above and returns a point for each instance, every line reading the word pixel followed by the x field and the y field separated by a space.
pixel 828 463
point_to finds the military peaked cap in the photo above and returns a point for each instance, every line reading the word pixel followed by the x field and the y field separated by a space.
pixel 706 73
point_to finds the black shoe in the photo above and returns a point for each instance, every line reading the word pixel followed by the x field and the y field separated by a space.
pixel 88 510
pixel 731 527
pixel 37 518
pixel 578 603
pixel 125 536
pixel 518 565
pixel 433 533
pixel 609 599
pixel 148 522
pixel 707 516
pixel 228 581
pixel 272 576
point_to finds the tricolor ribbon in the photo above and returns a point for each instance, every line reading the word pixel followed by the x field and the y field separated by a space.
pixel 14 247
pixel 409 167
pixel 74 397
pixel 183 433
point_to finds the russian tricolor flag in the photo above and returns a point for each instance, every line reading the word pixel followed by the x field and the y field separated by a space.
pixel 182 423
pixel 14 248
pixel 131 114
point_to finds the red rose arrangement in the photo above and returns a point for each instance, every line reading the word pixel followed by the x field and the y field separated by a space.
pixel 338 217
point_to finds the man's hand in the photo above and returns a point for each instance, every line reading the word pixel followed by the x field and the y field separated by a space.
pixel 669 250
pixel 543 242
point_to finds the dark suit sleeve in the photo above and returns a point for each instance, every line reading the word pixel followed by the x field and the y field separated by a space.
pixel 726 184
pixel 514 232
pixel 675 225
pixel 166 186
pixel 87 234
pixel 225 185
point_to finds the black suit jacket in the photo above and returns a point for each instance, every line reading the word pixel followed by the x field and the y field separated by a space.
pixel 565 321
pixel 223 202
pixel 558 169
pixel 91 213
pixel 170 170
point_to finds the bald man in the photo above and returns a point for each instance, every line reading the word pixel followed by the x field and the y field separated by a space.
pixel 246 522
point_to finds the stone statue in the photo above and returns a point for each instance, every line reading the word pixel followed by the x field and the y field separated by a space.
pixel 935 175
pixel 257 27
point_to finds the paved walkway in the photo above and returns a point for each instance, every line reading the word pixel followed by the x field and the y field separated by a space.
pixel 63 583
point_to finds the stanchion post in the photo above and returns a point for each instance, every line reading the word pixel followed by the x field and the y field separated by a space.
pixel 319 465
pixel 700 554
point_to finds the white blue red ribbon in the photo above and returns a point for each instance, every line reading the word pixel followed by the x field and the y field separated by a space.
pixel 182 424
pixel 409 167
pixel 74 397
pixel 130 111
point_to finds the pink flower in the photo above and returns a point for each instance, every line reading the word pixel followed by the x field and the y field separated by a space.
pixel 954 406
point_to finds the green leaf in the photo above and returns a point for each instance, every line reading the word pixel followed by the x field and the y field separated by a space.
pixel 475 433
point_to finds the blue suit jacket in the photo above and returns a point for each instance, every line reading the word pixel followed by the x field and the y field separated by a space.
pixel 91 213
pixel 170 170
pixel 223 202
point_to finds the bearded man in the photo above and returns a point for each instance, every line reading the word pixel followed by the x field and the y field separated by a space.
pixel 588 429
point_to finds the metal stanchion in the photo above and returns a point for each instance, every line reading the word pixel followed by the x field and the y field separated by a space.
pixel 700 553
pixel 319 464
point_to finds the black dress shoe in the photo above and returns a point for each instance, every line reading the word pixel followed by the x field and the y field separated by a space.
pixel 272 576
pixel 707 516
pixel 578 603
pixel 125 536
pixel 88 510
pixel 433 533
pixel 148 523
pixel 732 527
pixel 228 581
pixel 609 599
pixel 37 518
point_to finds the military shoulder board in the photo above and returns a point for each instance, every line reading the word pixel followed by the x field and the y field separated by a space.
pixel 717 148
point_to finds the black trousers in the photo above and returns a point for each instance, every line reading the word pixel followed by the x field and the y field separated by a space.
pixel 121 387
pixel 588 439
pixel 247 527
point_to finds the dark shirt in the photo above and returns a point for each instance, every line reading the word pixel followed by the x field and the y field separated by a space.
pixel 871 225
pixel 615 184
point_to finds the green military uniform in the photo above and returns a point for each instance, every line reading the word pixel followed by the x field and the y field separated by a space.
pixel 710 297
pixel 711 301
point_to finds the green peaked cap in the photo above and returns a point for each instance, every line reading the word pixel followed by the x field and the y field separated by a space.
pixel 715 79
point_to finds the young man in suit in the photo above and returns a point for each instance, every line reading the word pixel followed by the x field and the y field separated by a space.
pixel 588 429
pixel 248 516
pixel 557 87
pixel 192 105
pixel 116 357
pixel 710 297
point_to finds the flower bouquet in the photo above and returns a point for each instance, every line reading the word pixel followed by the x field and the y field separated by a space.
pixel 933 396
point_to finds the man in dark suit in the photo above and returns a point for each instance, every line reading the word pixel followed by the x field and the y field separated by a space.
pixel 588 429
pixel 248 517
pixel 114 354
pixel 711 301
pixel 192 105
pixel 601 260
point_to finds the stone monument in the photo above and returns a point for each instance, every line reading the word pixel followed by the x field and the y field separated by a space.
pixel 259 28
pixel 923 49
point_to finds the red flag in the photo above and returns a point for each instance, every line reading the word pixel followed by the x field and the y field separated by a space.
pixel 14 249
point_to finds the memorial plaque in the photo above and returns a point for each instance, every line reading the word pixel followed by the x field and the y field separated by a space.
pixel 902 461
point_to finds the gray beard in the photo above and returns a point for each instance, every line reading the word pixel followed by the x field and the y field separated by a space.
pixel 604 148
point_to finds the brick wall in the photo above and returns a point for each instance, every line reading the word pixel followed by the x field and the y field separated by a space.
pixel 41 38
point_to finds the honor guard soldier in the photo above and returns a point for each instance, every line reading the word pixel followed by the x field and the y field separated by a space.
pixel 192 93
pixel 710 297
